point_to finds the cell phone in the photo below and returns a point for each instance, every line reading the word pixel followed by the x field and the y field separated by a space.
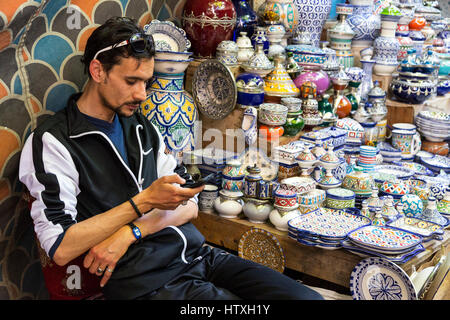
pixel 200 182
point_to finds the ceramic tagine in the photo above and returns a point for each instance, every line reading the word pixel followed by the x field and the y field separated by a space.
pixel 359 182
pixel 386 46
pixel 207 23
pixel 431 213
pixel 331 64
pixel 258 63
pixel 278 83
pixel 329 161
pixel 341 105
pixel 306 161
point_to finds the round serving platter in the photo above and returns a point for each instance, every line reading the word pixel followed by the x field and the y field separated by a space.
pixel 376 278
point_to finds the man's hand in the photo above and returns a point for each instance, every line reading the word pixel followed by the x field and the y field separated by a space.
pixel 166 194
pixel 102 258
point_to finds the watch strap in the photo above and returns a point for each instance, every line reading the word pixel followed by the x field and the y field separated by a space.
pixel 135 230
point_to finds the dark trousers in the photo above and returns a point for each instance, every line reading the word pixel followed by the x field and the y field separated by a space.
pixel 223 276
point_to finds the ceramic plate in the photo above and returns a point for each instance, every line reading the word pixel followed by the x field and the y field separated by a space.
pixel 328 223
pixel 397 258
pixel 386 239
pixel 437 163
pixel 417 226
pixel 261 246
pixel 167 36
pixel 376 278
pixel 214 89
pixel 416 167
pixel 400 172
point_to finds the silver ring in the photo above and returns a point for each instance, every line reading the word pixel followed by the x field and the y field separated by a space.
pixel 185 202
pixel 100 270
pixel 109 270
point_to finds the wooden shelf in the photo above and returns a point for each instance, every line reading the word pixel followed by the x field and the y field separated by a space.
pixel 331 265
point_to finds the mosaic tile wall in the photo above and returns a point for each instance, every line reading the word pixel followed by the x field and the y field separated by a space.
pixel 41 42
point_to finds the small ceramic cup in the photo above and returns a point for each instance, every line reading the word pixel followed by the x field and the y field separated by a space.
pixel 206 198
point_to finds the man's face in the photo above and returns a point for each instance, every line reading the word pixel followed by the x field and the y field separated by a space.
pixel 123 89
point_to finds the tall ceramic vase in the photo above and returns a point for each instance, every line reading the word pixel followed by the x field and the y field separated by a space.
pixel 386 46
pixel 364 23
pixel 207 23
pixel 280 11
pixel 366 83
pixel 312 17
pixel 341 36
pixel 246 19
pixel 172 111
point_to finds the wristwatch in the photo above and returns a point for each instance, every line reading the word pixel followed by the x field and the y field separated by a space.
pixel 136 231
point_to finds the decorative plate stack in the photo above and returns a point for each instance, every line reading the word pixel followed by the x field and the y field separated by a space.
pixel 325 228
pixel 387 242
pixel 433 125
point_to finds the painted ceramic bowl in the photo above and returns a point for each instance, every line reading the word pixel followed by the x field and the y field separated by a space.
pixel 340 198
pixel 322 138
pixel 437 163
pixel 411 91
pixel 272 114
pixel 412 205
pixel 396 189
pixel 300 185
pixel 285 199
pixel 171 66
pixel 167 36
pixel 173 55
pixel 314 197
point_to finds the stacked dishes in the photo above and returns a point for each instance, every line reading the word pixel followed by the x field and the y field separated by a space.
pixel 367 158
pixel 171 46
pixel 340 198
pixel 389 153
pixel 325 228
pixel 433 125
pixel 437 163
pixel 384 241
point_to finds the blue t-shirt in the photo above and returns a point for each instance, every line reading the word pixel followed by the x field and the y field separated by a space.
pixel 114 131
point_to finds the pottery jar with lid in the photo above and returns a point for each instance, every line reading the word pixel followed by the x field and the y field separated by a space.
pixel 233 176
pixel 431 213
pixel 227 52
pixel 359 182
pixel 285 208
pixel 250 90
pixel 257 210
pixel 245 48
pixel 294 123
pixel 251 181
pixel 229 204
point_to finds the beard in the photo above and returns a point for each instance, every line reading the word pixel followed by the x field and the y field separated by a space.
pixel 121 110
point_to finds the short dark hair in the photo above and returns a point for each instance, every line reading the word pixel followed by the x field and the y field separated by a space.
pixel 113 31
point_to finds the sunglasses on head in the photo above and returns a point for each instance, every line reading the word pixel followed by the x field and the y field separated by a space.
pixel 138 42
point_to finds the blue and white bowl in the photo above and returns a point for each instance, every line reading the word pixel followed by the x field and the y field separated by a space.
pixel 171 66
pixel 250 90
pixel 437 163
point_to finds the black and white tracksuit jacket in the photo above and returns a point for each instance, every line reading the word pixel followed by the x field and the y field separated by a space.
pixel 74 172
